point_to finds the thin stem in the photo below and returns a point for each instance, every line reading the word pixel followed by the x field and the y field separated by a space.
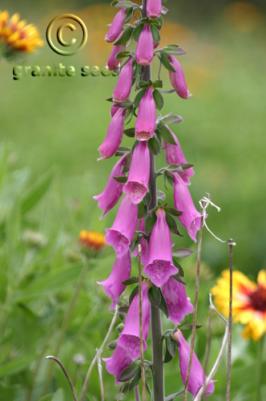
pixel 157 348
pixel 137 396
pixel 100 374
pixel 195 312
pixel 260 368
pixel 208 342
pixel 60 364
pixel 215 366
pixel 98 352
pixel 231 245
pixel 141 326
pixel 67 319
pixel 157 367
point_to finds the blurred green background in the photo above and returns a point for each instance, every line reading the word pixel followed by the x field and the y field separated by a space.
pixel 50 131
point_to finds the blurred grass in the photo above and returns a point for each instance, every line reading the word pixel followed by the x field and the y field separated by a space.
pixel 52 127
pixel 60 122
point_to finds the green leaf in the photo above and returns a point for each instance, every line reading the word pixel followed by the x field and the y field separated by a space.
pixel 138 97
pixel 59 395
pixel 173 211
pixel 155 33
pixel 154 146
pixel 16 365
pixel 122 55
pixel 137 31
pixel 131 280
pixel 171 346
pixel 172 224
pixel 112 345
pixel 171 397
pixel 133 293
pixel 149 222
pixel 33 197
pixel 158 83
pixel 126 35
pixel 158 98
pixel 174 49
pixel 166 134
pixel 141 210
pixel 165 61
pixel 130 132
pixel 183 253
pixel 172 119
pixel 163 305
pixel 51 281
pixel 129 373
pixel 130 385
pixel 129 12
pixel 121 179
pixel 155 296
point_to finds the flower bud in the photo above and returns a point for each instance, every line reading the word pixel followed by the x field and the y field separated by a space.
pixel 177 78
pixel 116 27
pixel 146 119
pixel 144 50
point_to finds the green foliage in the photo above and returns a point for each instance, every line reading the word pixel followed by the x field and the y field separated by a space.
pixel 47 179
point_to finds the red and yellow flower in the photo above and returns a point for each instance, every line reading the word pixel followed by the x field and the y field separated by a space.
pixel 249 301
pixel 17 35
pixel 92 239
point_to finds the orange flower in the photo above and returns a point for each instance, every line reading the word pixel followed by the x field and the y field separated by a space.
pixel 92 239
pixel 249 302
pixel 17 35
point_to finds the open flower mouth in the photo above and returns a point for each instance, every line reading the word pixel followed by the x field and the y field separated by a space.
pixel 160 271
pixel 144 136
pixel 118 241
pixel 135 191
pixel 131 344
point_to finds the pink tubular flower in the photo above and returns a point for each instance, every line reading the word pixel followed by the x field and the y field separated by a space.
pixel 114 135
pixel 124 83
pixel 112 61
pixel 145 46
pixel 154 8
pixel 177 301
pixel 190 218
pixel 197 377
pixel 160 265
pixel 116 27
pixel 174 155
pixel 129 338
pixel 177 78
pixel 128 344
pixel 113 285
pixel 113 189
pixel 139 173
pixel 118 362
pixel 123 228
pixel 146 119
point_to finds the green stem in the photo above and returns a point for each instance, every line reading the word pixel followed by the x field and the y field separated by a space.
pixel 157 347
pixel 231 245
pixel 195 313
pixel 260 368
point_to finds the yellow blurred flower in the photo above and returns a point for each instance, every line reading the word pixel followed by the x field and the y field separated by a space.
pixel 92 239
pixel 249 302
pixel 243 16
pixel 17 35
